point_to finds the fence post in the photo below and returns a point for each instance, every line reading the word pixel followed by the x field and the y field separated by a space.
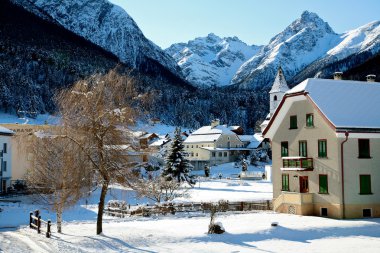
pixel 48 229
pixel 30 219
pixel 39 224
pixel 268 205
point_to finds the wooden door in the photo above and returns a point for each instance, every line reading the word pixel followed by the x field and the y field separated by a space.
pixel 304 184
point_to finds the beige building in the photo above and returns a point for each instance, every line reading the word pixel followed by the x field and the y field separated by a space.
pixel 214 144
pixel 5 158
pixel 21 141
pixel 325 137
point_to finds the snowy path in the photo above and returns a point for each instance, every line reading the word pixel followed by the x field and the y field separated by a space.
pixel 248 232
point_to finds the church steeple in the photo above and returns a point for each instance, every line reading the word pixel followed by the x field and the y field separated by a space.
pixel 278 90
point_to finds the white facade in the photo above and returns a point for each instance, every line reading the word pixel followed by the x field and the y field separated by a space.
pixel 5 159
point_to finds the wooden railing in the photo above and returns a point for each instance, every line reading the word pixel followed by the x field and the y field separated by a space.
pixel 301 162
pixel 35 222
pixel 172 208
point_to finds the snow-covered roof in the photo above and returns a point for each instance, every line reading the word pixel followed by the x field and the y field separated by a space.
pixel 220 129
pixel 159 142
pixel 196 138
pixel 148 135
pixel 279 84
pixel 5 131
pixel 347 104
pixel 234 127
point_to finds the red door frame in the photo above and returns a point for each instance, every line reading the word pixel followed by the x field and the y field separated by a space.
pixel 304 184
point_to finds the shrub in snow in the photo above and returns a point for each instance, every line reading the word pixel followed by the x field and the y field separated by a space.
pixel 216 228
pixel 120 204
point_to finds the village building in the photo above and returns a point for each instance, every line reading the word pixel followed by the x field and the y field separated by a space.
pixel 5 159
pixel 216 144
pixel 20 147
pixel 325 139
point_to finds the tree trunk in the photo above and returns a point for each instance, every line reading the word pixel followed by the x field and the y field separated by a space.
pixel 99 222
pixel 59 220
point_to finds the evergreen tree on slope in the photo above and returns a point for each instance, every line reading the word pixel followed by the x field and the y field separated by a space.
pixel 177 166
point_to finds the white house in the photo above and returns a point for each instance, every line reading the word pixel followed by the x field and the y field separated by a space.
pixel 216 144
pixel 5 159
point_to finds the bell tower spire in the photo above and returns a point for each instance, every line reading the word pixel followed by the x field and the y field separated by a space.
pixel 278 90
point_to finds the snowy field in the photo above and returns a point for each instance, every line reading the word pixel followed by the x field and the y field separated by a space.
pixel 246 232
pixel 186 232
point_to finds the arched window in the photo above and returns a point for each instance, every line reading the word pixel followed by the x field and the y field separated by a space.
pixel 275 98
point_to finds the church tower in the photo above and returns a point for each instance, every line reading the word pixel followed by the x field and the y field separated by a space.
pixel 278 90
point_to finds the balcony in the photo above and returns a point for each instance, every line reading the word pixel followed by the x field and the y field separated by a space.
pixel 297 163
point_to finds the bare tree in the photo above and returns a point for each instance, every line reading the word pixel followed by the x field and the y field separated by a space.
pixel 58 173
pixel 157 188
pixel 95 116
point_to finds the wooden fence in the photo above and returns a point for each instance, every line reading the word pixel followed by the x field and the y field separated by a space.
pixel 35 222
pixel 188 207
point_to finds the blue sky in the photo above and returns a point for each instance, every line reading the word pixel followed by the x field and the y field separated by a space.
pixel 255 22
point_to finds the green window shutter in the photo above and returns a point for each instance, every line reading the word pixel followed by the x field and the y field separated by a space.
pixel 364 148
pixel 323 188
pixel 309 120
pixel 285 182
pixel 293 122
pixel 365 184
pixel 284 149
pixel 322 148
pixel 303 148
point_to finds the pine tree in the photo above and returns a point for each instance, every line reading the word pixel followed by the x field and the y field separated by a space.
pixel 177 166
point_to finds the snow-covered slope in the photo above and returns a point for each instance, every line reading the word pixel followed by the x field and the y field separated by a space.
pixel 211 60
pixel 104 24
pixel 304 41
pixel 356 46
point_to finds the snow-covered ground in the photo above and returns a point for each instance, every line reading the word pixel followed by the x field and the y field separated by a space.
pixel 248 232
pixel 39 120
pixel 184 232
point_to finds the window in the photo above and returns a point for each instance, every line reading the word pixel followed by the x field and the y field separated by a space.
pixel 187 146
pixel 303 148
pixel 285 182
pixel 367 213
pixel 365 184
pixel 220 154
pixel 364 148
pixel 323 185
pixel 324 211
pixel 192 154
pixel 322 148
pixel 213 154
pixel 309 120
pixel 196 146
pixel 192 146
pixel 284 149
pixel 4 166
pixel 196 154
pixel 275 98
pixel 5 148
pixel 293 122
pixel 225 154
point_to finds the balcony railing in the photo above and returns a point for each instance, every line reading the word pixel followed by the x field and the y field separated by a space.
pixel 303 163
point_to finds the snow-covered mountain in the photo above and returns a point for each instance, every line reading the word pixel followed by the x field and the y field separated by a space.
pixel 211 60
pixel 308 47
pixel 104 24
pixel 304 41
pixel 356 46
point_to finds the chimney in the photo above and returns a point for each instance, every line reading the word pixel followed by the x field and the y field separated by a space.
pixel 338 75
pixel 215 123
pixel 371 78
